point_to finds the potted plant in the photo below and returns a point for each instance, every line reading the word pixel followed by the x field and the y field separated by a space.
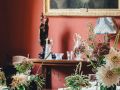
pixel 77 81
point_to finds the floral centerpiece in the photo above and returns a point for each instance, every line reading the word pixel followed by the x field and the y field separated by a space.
pixel 108 75
pixel 105 61
pixel 23 79
pixel 104 58
pixel 20 81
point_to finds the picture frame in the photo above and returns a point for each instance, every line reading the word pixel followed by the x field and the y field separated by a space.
pixel 82 10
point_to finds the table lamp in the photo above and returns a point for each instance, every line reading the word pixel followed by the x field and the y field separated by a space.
pixel 105 25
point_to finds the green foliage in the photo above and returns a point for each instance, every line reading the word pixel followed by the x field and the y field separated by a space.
pixel 99 49
pixel 2 78
pixel 95 64
pixel 98 63
pixel 108 88
pixel 21 87
pixel 39 80
pixel 24 66
pixel 77 81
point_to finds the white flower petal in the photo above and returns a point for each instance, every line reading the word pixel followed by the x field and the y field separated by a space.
pixel 106 76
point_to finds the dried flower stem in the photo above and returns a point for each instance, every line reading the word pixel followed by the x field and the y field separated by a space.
pixel 116 40
pixel 42 63
pixel 78 68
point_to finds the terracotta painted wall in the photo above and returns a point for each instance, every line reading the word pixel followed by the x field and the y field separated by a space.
pixel 21 22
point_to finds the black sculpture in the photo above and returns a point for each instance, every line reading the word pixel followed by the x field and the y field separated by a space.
pixel 44 28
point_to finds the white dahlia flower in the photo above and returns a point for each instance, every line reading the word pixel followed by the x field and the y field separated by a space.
pixel 106 76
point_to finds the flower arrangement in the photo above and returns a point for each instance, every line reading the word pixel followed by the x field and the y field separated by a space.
pixel 79 46
pixel 77 81
pixel 108 74
pixel 23 79
pixel 20 81
pixel 105 61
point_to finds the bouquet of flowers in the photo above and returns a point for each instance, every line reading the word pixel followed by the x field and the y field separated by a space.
pixel 105 61
pixel 23 79
pixel 20 81
pixel 108 75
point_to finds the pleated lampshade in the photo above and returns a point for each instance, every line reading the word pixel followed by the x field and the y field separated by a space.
pixel 105 25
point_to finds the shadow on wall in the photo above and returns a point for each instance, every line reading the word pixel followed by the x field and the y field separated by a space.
pixel 65 40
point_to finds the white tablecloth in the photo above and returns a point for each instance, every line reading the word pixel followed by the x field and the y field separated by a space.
pixel 3 88
pixel 91 88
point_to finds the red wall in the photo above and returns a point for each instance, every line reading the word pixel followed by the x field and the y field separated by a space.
pixel 21 27
pixel 23 19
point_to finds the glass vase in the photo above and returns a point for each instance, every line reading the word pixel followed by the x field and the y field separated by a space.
pixel 78 56
pixel 108 88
